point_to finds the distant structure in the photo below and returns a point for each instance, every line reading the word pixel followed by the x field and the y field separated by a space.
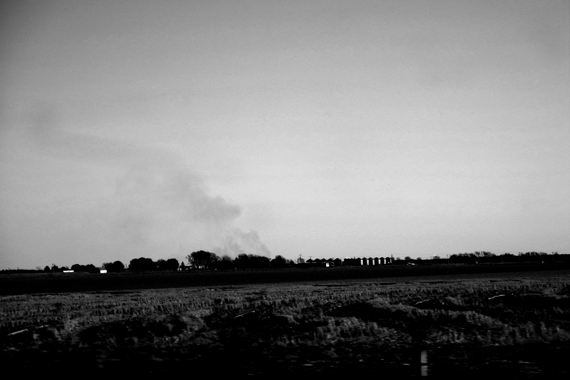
pixel 348 261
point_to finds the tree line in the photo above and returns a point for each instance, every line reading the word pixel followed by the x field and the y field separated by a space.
pixel 211 261
pixel 196 260
pixel 141 264
pixel 481 257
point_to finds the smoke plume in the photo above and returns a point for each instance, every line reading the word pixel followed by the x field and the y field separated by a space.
pixel 158 207
pixel 158 203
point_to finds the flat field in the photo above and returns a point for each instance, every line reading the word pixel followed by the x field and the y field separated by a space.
pixel 12 284
pixel 512 324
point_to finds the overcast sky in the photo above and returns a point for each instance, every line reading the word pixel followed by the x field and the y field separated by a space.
pixel 317 128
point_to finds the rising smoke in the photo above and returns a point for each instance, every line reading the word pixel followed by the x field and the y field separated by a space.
pixel 156 203
pixel 158 208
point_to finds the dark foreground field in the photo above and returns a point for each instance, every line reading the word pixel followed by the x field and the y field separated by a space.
pixel 11 284
pixel 505 324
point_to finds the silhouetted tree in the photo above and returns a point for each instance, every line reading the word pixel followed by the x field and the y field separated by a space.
pixel 202 260
pixel 90 268
pixel 142 264
pixel 116 266
pixel 257 261
pixel 170 264
pixel 244 261
pixel 77 268
pixel 279 262
pixel 225 263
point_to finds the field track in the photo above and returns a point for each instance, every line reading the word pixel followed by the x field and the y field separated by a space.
pixel 13 284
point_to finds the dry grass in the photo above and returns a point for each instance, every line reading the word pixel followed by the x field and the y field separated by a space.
pixel 338 319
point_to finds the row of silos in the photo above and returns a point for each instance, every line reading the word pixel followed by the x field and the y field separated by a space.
pixel 367 261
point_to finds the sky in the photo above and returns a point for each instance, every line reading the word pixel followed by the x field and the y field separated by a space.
pixel 319 129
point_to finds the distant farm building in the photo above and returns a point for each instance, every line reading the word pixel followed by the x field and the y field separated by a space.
pixel 366 261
